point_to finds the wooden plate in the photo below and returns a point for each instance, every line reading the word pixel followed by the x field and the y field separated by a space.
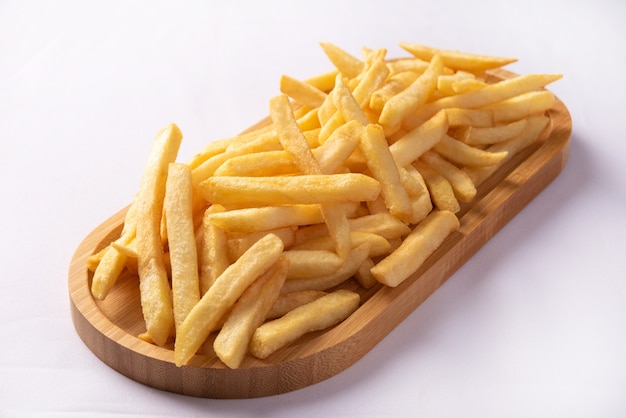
pixel 109 328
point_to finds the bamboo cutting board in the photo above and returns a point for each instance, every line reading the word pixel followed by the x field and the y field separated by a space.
pixel 109 328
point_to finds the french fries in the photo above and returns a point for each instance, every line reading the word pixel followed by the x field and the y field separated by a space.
pixel 356 179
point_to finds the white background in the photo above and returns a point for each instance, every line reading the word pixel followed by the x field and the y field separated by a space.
pixel 533 325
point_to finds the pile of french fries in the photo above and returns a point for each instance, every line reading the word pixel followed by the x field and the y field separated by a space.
pixel 357 175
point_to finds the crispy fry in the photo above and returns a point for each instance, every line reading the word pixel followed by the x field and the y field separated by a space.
pixel 440 189
pixel 464 188
pixel 456 59
pixel 155 292
pixel 347 64
pixel 213 257
pixel 305 189
pixel 301 92
pixel 317 315
pixel 415 248
pixel 289 301
pixel 231 344
pixel 305 264
pixel 181 241
pixel 463 154
pixel 412 145
pixel 223 294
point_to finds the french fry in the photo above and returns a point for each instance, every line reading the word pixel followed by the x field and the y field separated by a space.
pixel 305 264
pixel 412 145
pixel 181 241
pixel 320 314
pixel 301 92
pixel 231 343
pixel 364 274
pixel 416 248
pixel 457 60
pixel 347 104
pixel 394 85
pixel 289 301
pixel 462 185
pixel 522 106
pixel 213 256
pixel 492 135
pixel 440 189
pixel 239 244
pixel 410 99
pixel 266 218
pixel 378 245
pixel 265 163
pixel 347 64
pixel 221 297
pixel 383 168
pixel 480 118
pixel 154 288
pixel 463 154
pixel 305 189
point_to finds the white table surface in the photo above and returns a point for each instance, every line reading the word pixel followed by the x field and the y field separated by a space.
pixel 533 325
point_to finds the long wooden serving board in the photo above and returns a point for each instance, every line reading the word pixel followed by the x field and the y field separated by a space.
pixel 109 328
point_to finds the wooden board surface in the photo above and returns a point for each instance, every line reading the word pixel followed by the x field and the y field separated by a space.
pixel 109 328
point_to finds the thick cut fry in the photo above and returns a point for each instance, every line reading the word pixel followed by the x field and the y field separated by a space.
pixel 154 288
pixel 410 99
pixel 222 296
pixel 456 59
pixel 392 86
pixel 305 189
pixel 320 314
pixel 213 255
pixel 377 245
pixel 347 104
pixel 301 92
pixel 112 261
pixel 364 274
pixel 266 218
pixel 492 135
pixel 524 105
pixel 464 188
pixel 466 155
pixel 181 240
pixel 231 344
pixel 383 168
pixel 305 264
pixel 480 118
pixel 415 248
pixel 323 82
pixel 490 94
pixel 535 127
pixel 412 145
pixel 347 64
pixel 290 135
pixel 440 189
pixel 266 163
pixel 289 301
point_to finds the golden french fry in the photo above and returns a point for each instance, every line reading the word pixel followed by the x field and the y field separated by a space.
pixel 427 236
pixel 491 135
pixel 154 287
pixel 289 301
pixel 338 147
pixel 440 189
pixel 456 59
pixel 535 127
pixel 347 104
pixel 410 99
pixel 403 65
pixel 383 168
pixel 378 245
pixel 305 264
pixel 181 241
pixel 480 118
pixel 364 274
pixel 371 80
pixel 320 314
pixel 266 218
pixel 490 94
pixel 111 260
pixel 305 189
pixel 323 82
pixel 522 106
pixel 212 253
pixel 394 85
pixel 240 243
pixel 301 92
pixel 266 163
pixel 412 145
pixel 457 152
pixel 383 224
pixel 464 188
pixel 223 294
pixel 231 343
pixel 347 64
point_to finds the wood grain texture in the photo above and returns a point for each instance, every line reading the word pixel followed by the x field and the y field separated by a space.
pixel 109 328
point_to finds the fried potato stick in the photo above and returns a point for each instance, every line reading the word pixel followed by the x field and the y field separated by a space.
pixel 221 297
